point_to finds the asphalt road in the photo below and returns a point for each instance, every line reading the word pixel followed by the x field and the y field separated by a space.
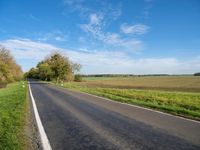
pixel 74 120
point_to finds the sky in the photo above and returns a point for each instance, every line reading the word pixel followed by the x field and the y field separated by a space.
pixel 105 36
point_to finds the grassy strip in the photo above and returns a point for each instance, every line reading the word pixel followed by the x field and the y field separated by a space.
pixel 178 103
pixel 13 106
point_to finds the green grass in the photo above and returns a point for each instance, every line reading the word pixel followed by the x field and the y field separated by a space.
pixel 13 106
pixel 179 103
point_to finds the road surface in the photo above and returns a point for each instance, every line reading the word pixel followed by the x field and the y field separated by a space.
pixel 74 120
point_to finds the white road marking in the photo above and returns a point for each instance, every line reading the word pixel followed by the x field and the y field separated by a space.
pixel 45 142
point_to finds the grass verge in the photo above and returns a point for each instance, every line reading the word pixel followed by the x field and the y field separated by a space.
pixel 13 107
pixel 177 103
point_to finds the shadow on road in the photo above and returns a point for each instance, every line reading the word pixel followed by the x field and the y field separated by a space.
pixel 35 81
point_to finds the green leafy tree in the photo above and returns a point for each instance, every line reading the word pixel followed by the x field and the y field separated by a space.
pixel 5 74
pixel 78 78
pixel 60 66
pixel 33 73
pixel 16 71
pixel 45 72
pixel 9 70
pixel 55 67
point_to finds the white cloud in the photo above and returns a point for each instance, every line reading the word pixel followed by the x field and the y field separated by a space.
pixel 112 12
pixel 128 43
pixel 99 19
pixel 59 38
pixel 94 28
pixel 115 13
pixel 95 19
pixel 101 61
pixel 76 5
pixel 95 31
pixel 134 29
pixel 27 49
pixel 56 35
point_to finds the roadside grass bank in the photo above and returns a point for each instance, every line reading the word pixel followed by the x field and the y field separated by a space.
pixel 178 103
pixel 13 107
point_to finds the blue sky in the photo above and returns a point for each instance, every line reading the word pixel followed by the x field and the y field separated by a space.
pixel 105 36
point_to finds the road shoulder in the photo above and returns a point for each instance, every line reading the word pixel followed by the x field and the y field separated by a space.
pixel 31 132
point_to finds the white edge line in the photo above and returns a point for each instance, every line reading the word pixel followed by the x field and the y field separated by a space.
pixel 45 142
pixel 132 105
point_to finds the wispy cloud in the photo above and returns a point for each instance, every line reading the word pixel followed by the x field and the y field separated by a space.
pixel 94 28
pixel 56 35
pixel 77 5
pixel 146 10
pixel 94 19
pixel 28 49
pixel 84 10
pixel 34 17
pixel 101 61
pixel 136 29
pixel 99 19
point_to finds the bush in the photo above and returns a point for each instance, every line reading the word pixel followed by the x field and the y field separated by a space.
pixel 77 78
pixel 3 85
pixel 197 74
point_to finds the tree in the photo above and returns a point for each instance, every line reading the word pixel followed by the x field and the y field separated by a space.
pixel 78 78
pixel 33 73
pixel 45 72
pixel 60 66
pixel 5 74
pixel 76 67
pixel 197 74
pixel 54 67
pixel 16 71
pixel 9 70
pixel 5 61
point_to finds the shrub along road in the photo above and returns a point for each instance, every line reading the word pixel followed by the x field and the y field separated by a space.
pixel 74 120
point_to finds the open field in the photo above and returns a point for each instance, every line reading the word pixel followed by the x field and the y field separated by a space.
pixel 13 107
pixel 186 104
pixel 167 83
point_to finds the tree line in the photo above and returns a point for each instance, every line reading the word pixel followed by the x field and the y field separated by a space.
pixel 197 74
pixel 10 71
pixel 55 67
pixel 122 75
